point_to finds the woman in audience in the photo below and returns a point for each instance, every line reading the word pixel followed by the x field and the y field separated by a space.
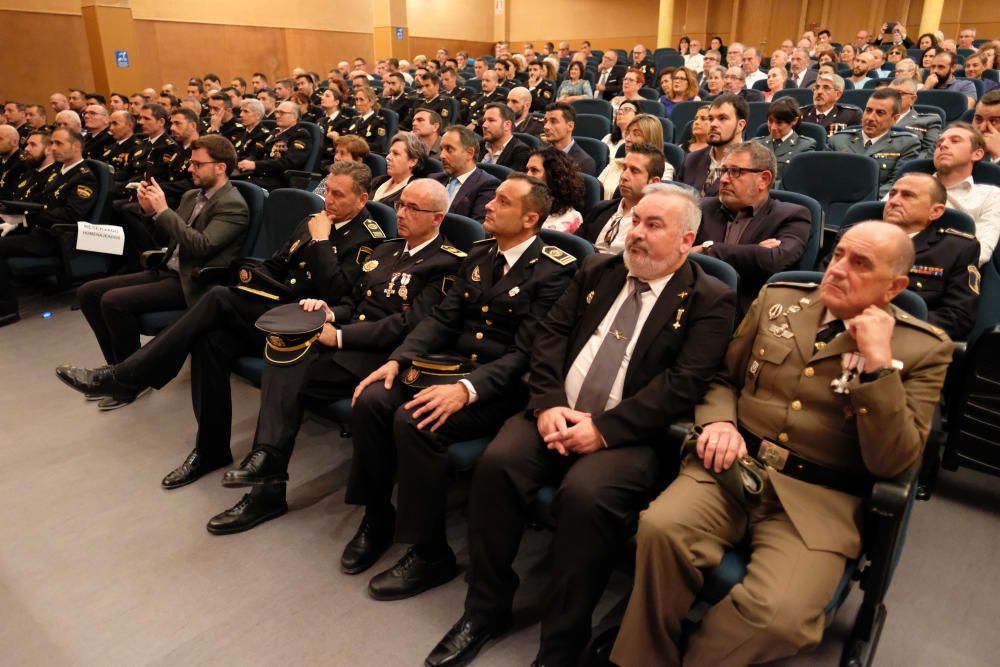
pixel 827 56
pixel 334 120
pixel 713 82
pixel 683 88
pixel 776 78
pixel 847 54
pixel 347 148
pixel 990 55
pixel 699 132
pixel 309 113
pixel 927 40
pixel 631 83
pixel 369 124
pixel 558 171
pixel 665 81
pixel 644 129
pixel 623 116
pixel 403 163
pixel 574 87
pixel 717 45
pixel 684 46
pixel 927 57
pixel 895 53
pixel 907 69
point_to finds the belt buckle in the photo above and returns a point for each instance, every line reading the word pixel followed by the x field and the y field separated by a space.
pixel 772 454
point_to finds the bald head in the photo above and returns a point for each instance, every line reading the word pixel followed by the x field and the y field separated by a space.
pixel 10 140
pixel 897 248
pixel 422 206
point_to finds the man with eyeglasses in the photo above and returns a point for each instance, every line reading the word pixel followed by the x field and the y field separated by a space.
pixel 736 84
pixel 402 281
pixel 642 61
pixel 826 110
pixel 927 126
pixel 747 228
pixel 96 120
pixel 727 119
pixel 608 83
pixel 286 149
pixel 206 229
pixel 712 59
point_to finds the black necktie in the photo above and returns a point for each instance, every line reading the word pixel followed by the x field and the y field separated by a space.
pixel 832 330
pixel 777 142
pixel 498 264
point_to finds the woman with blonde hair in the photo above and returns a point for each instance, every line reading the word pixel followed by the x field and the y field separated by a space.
pixel 683 88
pixel 644 129
pixel 907 69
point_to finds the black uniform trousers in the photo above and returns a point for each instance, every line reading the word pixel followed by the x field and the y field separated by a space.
pixel 383 430
pixel 215 331
pixel 35 243
pixel 113 305
pixel 285 392
pixel 596 510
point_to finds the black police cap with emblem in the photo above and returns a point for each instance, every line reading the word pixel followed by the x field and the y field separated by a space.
pixel 289 331
pixel 432 369
pixel 254 281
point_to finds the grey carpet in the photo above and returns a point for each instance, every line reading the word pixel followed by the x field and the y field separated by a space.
pixel 99 566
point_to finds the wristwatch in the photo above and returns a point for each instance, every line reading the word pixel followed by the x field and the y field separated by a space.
pixel 880 373
pixel 706 247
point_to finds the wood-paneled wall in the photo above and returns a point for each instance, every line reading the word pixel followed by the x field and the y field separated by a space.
pixel 428 46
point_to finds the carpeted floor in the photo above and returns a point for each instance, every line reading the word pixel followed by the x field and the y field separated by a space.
pixel 100 566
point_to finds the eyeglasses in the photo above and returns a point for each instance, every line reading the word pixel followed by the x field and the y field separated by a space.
pixel 736 172
pixel 198 165
pixel 400 204
pixel 278 112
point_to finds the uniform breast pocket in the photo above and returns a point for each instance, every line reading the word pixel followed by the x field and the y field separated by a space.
pixel 764 366
pixel 928 287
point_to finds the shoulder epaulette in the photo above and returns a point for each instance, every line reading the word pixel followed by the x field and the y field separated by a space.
pixel 849 130
pixel 453 250
pixel 373 229
pixel 781 283
pixel 955 232
pixel 558 255
pixel 902 317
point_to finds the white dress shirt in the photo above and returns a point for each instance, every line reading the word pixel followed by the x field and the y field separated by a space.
pixel 585 359
pixel 982 202
pixel 618 242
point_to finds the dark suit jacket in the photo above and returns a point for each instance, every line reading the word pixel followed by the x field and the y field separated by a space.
pixel 582 158
pixel 789 223
pixel 514 155
pixel 613 87
pixel 695 171
pixel 595 220
pixel 809 79
pixel 471 199
pixel 670 367
pixel 531 125
pixel 215 238
pixel 389 200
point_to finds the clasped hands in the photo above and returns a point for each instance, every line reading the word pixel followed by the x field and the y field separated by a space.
pixel 569 431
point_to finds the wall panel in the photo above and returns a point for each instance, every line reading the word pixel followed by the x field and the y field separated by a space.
pixel 428 46
pixel 465 20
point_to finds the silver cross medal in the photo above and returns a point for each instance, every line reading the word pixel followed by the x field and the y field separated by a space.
pixel 849 362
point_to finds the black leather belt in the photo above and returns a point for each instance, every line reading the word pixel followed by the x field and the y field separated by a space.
pixel 789 463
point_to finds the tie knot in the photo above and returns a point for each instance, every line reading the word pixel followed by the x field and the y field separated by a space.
pixel 638 286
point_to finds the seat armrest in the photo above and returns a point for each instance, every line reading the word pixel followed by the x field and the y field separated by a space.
pixel 152 259
pixel 212 275
pixel 303 180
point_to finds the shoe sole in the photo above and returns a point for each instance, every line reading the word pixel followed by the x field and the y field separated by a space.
pixel 381 597
pixel 243 483
pixel 245 527
pixel 94 397
pixel 121 404
pixel 358 569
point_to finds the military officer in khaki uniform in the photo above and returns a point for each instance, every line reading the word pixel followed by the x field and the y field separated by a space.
pixel 877 139
pixel 841 385
pixel 782 117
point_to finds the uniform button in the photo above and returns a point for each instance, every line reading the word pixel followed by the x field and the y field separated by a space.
pixel 783 437
pixel 292 281
pixel 796 405
pixel 479 336
pixel 474 357
pixel 302 265
pixel 368 293
pixel 466 295
pixel 809 371
pixel 920 285
pixel 361 317
pixel 862 411
pixel 761 352
pixel 486 309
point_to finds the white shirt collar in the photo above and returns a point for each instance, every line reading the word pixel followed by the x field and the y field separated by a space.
pixel 965 184
pixel 872 139
pixel 67 167
pixel 414 251
pixel 511 255
pixel 788 136
pixel 656 286
pixel 462 177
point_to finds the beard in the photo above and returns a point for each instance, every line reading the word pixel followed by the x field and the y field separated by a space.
pixel 641 265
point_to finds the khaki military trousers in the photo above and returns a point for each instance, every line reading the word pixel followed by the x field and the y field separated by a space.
pixel 776 611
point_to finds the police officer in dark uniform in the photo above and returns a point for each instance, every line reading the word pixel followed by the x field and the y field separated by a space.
pixel 98 136
pixel 491 93
pixel 221 118
pixel 394 97
pixel 369 124
pixel 877 138
pixel 543 91
pixel 286 148
pixel 643 62
pixel 119 153
pixel 250 145
pixel 826 110
pixel 450 86
pixel 152 157
pixel 486 325
pixel 65 199
pixel 12 167
pixel 400 284
pixel 39 170
pixel 431 98
pixel 319 260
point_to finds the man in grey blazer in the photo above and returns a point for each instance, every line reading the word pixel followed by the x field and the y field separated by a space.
pixel 207 229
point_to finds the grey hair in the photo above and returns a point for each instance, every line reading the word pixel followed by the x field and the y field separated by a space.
pixel 691 219
pixel 909 84
pixel 761 157
pixel 415 148
pixel 835 79
pixel 254 106
pixel 72 116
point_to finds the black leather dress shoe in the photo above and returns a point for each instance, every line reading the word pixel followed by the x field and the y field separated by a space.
pixel 412 575
pixel 259 467
pixel 369 543
pixel 103 381
pixel 194 468
pixel 463 642
pixel 252 510
pixel 9 318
